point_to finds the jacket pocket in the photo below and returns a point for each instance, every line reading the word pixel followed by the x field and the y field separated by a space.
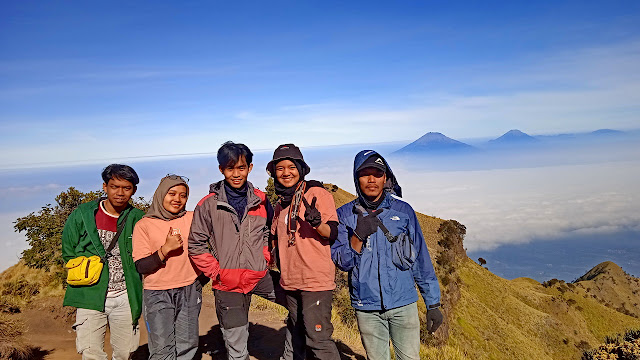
pixel 232 308
pixel 403 252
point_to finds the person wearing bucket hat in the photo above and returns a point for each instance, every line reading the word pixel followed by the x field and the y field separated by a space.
pixel 380 245
pixel 304 225
pixel 172 294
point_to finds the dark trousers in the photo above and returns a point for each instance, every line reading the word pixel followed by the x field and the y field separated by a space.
pixel 232 309
pixel 310 316
pixel 172 321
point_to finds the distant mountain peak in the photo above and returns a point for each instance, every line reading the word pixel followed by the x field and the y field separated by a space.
pixel 435 142
pixel 515 132
pixel 435 137
pixel 607 132
pixel 514 136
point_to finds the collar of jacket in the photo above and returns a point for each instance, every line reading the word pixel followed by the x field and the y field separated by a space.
pixel 217 188
pixel 385 204
pixel 91 228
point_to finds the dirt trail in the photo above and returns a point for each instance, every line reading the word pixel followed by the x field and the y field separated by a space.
pixel 49 328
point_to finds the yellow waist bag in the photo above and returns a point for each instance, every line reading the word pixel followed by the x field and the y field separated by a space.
pixel 84 270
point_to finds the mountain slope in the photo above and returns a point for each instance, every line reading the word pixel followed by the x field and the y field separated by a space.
pixel 521 319
pixel 611 286
pixel 436 143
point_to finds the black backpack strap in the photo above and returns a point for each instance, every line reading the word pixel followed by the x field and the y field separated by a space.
pixel 115 238
pixel 387 233
pixel 358 209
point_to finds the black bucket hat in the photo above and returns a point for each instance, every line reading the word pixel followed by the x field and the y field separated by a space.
pixel 291 152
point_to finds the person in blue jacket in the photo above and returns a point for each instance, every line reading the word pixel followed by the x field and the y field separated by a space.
pixel 380 245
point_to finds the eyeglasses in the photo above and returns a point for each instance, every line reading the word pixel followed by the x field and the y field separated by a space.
pixel 176 177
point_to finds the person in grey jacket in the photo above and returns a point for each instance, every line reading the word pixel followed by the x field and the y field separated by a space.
pixel 228 242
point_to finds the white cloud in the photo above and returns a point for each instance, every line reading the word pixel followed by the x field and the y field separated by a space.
pixel 576 90
pixel 12 243
pixel 32 189
pixel 520 205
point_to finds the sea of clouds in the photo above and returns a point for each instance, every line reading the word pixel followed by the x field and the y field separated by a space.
pixel 544 196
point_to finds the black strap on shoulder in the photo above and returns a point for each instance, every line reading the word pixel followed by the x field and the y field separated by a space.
pixel 358 209
pixel 387 233
pixel 115 238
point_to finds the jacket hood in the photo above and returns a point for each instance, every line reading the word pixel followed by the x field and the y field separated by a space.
pixel 390 186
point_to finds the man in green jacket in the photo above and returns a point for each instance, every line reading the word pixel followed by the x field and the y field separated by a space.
pixel 116 299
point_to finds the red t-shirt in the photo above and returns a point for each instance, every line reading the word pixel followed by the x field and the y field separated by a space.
pixel 107 225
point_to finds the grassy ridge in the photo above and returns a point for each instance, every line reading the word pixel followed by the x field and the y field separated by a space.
pixel 521 319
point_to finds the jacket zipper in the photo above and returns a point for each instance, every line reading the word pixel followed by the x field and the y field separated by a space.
pixel 86 270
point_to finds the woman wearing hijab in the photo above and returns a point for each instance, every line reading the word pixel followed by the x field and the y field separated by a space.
pixel 305 224
pixel 172 294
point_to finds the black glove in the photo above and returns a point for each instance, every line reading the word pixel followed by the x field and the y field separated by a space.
pixel 366 225
pixel 311 214
pixel 434 320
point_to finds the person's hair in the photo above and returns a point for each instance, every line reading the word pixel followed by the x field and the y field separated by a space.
pixel 229 154
pixel 119 171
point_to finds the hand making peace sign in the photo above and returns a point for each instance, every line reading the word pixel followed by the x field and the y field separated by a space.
pixel 311 214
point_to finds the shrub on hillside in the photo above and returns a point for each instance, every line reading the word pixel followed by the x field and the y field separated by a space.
pixel 43 229
pixel 20 288
pixel 9 305
pixel 452 236
pixel 550 283
pixel 622 347
pixel 270 190
pixel 11 345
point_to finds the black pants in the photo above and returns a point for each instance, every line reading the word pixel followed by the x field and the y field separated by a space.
pixel 232 309
pixel 310 314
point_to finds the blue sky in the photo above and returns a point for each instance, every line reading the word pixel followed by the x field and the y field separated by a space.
pixel 88 81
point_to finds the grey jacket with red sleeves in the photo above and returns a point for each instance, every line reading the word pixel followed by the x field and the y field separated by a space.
pixel 230 248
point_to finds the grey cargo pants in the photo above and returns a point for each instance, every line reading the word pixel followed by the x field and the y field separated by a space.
pixel 171 317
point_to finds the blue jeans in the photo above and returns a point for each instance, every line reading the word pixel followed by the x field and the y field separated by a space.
pixel 400 325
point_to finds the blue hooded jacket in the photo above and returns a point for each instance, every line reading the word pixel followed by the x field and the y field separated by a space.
pixel 375 281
